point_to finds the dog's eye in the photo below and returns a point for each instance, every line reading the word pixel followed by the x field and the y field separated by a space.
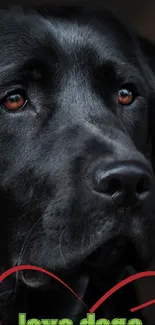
pixel 14 101
pixel 125 96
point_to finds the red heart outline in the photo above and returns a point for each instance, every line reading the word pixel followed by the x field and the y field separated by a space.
pixel 114 289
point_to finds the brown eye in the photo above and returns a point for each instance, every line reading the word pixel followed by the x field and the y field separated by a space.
pixel 14 101
pixel 125 96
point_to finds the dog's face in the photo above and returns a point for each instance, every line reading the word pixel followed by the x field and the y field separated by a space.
pixel 74 170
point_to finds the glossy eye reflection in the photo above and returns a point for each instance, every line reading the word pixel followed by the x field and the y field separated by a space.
pixel 125 96
pixel 14 101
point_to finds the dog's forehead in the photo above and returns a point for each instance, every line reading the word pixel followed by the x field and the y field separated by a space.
pixel 27 33
pixel 28 37
pixel 76 33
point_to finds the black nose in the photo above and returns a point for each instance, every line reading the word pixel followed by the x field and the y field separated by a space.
pixel 126 183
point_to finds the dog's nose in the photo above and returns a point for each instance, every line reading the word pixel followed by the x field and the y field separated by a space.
pixel 126 183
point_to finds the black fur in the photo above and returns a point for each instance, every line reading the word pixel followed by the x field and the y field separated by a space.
pixel 71 66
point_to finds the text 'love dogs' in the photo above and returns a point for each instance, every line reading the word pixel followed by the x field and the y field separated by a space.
pixel 90 320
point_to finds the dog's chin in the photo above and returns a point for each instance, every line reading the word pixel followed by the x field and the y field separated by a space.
pixel 99 260
pixel 112 257
pixel 109 258
pixel 115 255
pixel 96 263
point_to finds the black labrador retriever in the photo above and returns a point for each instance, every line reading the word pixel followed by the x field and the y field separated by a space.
pixel 76 182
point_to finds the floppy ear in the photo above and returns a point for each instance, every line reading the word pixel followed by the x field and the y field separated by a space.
pixel 148 50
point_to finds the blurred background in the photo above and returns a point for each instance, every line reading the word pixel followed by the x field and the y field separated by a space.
pixel 140 13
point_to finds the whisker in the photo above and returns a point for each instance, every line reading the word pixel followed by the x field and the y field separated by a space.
pixel 60 245
pixel 82 241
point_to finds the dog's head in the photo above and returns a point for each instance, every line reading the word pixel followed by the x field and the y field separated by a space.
pixel 75 176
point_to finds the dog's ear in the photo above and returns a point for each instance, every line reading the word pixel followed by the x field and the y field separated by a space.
pixel 148 50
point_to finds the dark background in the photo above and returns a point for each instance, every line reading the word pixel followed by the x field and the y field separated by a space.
pixel 140 13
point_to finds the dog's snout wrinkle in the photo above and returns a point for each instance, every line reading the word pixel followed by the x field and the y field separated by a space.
pixel 126 184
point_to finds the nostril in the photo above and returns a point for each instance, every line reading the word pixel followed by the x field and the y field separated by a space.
pixel 124 184
pixel 111 186
pixel 143 187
